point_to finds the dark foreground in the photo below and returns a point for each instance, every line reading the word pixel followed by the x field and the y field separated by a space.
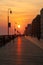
pixel 21 52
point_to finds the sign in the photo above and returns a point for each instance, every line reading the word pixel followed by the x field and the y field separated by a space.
pixel 9 24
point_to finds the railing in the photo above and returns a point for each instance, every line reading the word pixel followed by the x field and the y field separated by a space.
pixel 6 38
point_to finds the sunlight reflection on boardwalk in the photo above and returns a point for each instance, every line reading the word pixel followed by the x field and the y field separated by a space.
pixel 19 41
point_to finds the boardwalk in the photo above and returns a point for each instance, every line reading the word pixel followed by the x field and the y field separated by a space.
pixel 21 52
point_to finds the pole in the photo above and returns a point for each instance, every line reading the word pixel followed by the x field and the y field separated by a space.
pixel 9 24
pixel 8 21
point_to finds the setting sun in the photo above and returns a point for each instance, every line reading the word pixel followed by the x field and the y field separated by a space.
pixel 18 26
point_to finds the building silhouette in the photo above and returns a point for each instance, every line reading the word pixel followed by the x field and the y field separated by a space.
pixel 36 27
pixel 41 14
pixel 28 30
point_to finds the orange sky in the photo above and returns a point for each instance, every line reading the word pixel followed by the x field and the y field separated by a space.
pixel 23 11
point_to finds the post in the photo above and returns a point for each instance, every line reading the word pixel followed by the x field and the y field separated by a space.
pixel 9 24
pixel 8 21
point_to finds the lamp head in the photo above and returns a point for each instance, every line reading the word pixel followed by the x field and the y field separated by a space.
pixel 10 11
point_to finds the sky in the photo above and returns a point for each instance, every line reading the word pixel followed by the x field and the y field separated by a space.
pixel 23 12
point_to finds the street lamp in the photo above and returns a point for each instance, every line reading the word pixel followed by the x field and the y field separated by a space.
pixel 14 28
pixel 9 24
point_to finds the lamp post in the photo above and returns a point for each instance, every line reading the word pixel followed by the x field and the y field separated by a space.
pixel 14 28
pixel 9 24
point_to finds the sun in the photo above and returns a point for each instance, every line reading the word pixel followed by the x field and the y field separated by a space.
pixel 18 26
